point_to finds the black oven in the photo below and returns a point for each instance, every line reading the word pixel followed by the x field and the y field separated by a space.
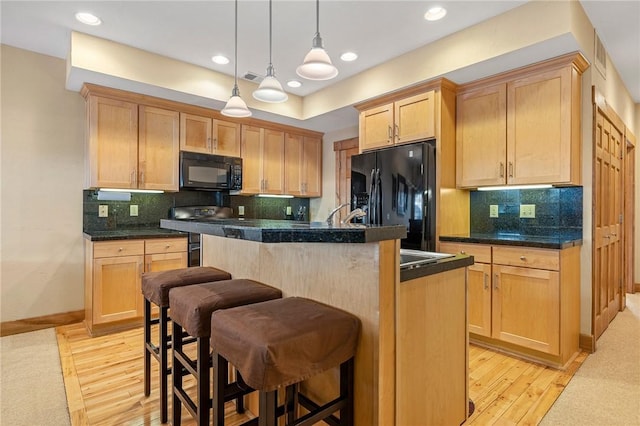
pixel 210 172
pixel 194 249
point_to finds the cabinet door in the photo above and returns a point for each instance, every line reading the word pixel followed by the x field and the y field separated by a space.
pixel 158 149
pixel 479 282
pixel 481 125
pixel 251 150
pixel 112 160
pixel 226 138
pixel 539 128
pixel 312 167
pixel 526 307
pixel 117 290
pixel 293 152
pixel 195 133
pixel 415 118
pixel 273 162
pixel 376 127
pixel 165 261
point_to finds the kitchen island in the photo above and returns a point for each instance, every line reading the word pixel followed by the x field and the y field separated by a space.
pixel 411 363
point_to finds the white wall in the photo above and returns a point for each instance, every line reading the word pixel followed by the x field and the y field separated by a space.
pixel 41 255
pixel 320 207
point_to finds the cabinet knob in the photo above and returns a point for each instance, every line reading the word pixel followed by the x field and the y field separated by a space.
pixel 120 249
pixel 167 246
pixel 463 252
pixel 523 258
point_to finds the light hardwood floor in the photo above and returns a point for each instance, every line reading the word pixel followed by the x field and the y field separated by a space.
pixel 104 383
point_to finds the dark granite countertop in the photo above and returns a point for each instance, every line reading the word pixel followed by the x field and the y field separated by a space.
pixel 286 231
pixel 132 234
pixel 442 265
pixel 559 241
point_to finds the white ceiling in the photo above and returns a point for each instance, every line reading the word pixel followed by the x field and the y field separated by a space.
pixel 193 31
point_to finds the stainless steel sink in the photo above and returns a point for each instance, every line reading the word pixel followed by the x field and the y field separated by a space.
pixel 410 259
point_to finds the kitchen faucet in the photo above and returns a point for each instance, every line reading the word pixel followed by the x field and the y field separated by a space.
pixel 354 213
pixel 333 212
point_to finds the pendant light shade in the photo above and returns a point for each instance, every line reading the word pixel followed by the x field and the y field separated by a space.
pixel 235 106
pixel 270 89
pixel 317 64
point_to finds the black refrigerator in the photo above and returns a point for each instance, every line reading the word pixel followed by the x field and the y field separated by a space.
pixel 396 186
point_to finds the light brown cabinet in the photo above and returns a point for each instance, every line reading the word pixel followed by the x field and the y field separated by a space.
pixel 131 146
pixel 303 166
pixel 113 271
pixel 523 130
pixel 405 120
pixel 523 299
pixel 262 160
pixel 209 136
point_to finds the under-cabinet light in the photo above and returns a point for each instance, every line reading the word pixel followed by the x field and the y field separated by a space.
pixel 274 196
pixel 502 188
pixel 144 191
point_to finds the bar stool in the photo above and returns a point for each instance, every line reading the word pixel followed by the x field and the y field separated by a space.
pixel 155 289
pixel 191 309
pixel 280 343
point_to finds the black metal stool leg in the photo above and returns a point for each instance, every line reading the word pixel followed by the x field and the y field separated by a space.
pixel 147 341
pixel 267 404
pixel 291 403
pixel 176 345
pixel 204 371
pixel 164 364
pixel 346 391
pixel 220 374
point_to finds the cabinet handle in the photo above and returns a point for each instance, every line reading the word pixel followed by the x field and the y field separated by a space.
pixel 215 143
pixel 495 282
pixel 208 143
pixel 148 267
pixel 523 258
pixel 501 169
pixel 613 234
pixel 142 177
pixel 133 177
pixel 266 184
pixel 510 169
pixel 397 132
pixel 486 286
pixel 389 133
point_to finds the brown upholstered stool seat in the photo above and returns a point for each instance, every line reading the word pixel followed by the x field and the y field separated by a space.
pixel 283 342
pixel 155 289
pixel 191 309
pixel 156 285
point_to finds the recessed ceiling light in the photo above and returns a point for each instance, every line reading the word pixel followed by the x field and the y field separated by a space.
pixel 88 18
pixel 220 60
pixel 435 13
pixel 294 83
pixel 349 56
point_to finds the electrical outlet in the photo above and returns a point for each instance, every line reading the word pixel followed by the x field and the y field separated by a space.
pixel 103 210
pixel 240 210
pixel 288 210
pixel 528 211
pixel 133 210
pixel 493 210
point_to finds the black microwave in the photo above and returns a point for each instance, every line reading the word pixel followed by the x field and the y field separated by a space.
pixel 210 172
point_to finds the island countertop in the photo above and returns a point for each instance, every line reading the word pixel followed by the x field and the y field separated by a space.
pixel 287 231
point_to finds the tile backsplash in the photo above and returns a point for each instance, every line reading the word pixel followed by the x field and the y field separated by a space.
pixel 557 210
pixel 153 207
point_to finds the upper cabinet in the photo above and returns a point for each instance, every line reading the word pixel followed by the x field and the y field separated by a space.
pixel 158 148
pixel 303 165
pixel 208 135
pixel 404 120
pixel 521 128
pixel 262 160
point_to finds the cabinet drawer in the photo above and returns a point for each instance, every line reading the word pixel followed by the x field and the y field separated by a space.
pixel 118 248
pixel 527 257
pixel 481 253
pixel 165 245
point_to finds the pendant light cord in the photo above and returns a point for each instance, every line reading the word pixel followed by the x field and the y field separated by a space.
pixel 270 36
pixel 235 81
pixel 317 17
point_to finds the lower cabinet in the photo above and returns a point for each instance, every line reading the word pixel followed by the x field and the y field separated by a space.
pixel 524 300
pixel 113 271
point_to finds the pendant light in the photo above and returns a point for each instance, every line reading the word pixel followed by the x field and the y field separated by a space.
pixel 235 106
pixel 317 64
pixel 270 90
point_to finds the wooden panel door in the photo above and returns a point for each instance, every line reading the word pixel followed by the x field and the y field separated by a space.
pixel 158 148
pixel 117 290
pixel 481 138
pixel 251 151
pixel 344 150
pixel 607 249
pixel 226 138
pixel 479 282
pixel 273 162
pixel 376 127
pixel 415 118
pixel 526 307
pixel 312 167
pixel 539 128
pixel 195 133
pixel 112 160
pixel 293 179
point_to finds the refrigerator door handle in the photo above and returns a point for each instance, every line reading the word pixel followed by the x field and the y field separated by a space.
pixel 371 201
pixel 379 199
